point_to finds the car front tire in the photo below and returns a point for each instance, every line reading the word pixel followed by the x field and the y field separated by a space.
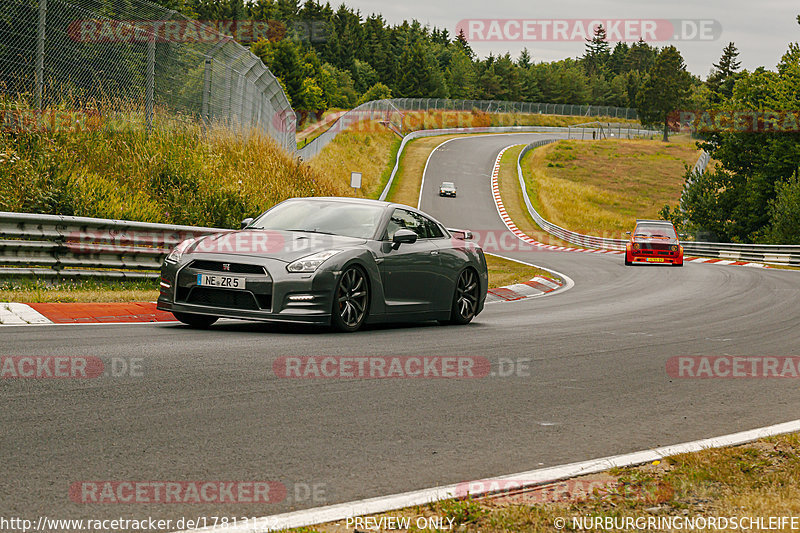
pixel 350 300
pixel 465 299
pixel 196 321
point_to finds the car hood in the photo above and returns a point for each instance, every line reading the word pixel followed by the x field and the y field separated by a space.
pixel 284 246
pixel 644 240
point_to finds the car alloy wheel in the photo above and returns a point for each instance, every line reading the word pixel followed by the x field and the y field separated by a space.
pixel 351 300
pixel 465 300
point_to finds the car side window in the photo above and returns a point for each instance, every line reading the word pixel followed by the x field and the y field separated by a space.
pixel 433 229
pixel 402 219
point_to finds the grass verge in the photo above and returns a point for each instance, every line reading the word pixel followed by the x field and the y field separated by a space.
pixel 514 202
pixel 757 480
pixel 602 187
pixel 367 147
pixel 40 291
pixel 504 271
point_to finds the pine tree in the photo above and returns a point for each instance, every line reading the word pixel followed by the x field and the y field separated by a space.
pixel 460 76
pixel 666 88
pixel 724 75
pixel 461 42
pixel 524 60
pixel 597 51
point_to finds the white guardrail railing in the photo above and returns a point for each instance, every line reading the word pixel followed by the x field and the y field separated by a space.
pixel 64 246
pixel 766 253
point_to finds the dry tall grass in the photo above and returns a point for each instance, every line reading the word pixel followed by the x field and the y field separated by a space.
pixel 176 174
pixel 367 147
pixel 602 187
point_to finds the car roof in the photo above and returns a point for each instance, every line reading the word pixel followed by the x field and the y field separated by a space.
pixel 666 222
pixel 344 200
pixel 361 201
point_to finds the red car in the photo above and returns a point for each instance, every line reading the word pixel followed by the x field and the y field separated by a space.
pixel 654 241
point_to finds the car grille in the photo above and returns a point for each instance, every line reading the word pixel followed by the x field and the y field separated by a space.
pixel 233 268
pixel 256 296
pixel 216 297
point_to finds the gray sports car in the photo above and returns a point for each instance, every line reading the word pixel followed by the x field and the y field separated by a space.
pixel 339 261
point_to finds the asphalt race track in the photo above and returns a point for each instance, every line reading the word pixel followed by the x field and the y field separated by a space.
pixel 208 406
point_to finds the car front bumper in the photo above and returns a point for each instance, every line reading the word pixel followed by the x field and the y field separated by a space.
pixel 266 295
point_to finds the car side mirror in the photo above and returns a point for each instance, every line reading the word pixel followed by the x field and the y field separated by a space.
pixel 627 233
pixel 683 235
pixel 246 222
pixel 403 236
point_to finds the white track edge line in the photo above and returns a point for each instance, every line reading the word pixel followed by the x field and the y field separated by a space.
pixel 383 504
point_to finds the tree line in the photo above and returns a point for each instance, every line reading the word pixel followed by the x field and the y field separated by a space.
pixel 350 58
pixel 751 129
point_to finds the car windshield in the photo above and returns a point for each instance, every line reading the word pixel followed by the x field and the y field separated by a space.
pixel 448 185
pixel 320 216
pixel 655 231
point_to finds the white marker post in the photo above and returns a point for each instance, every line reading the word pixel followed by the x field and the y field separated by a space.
pixel 355 180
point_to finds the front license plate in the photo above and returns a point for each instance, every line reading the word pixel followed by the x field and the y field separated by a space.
pixel 227 282
pixel 655 259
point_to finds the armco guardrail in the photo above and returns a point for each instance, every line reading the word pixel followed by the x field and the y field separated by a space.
pixel 391 111
pixel 63 246
pixel 766 253
pixel 777 254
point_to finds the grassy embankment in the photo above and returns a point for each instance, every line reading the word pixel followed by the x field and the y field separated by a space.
pixel 753 480
pixel 601 188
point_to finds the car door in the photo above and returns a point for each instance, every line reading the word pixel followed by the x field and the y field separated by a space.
pixel 410 272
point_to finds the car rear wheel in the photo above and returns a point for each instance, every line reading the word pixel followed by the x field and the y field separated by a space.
pixel 196 321
pixel 465 299
pixel 350 300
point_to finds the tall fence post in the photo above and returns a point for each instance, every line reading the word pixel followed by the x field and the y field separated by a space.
pixel 206 90
pixel 40 35
pixel 151 80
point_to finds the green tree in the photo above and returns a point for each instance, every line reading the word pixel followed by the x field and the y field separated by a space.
pixel 460 76
pixel 597 52
pixel 283 59
pixel 665 89
pixel 785 213
pixel 378 91
pixel 419 78
pixel 724 75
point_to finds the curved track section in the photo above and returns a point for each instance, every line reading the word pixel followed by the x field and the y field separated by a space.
pixel 208 406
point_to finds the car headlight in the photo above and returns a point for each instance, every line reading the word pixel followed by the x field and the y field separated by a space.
pixel 674 248
pixel 176 253
pixel 636 246
pixel 310 263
